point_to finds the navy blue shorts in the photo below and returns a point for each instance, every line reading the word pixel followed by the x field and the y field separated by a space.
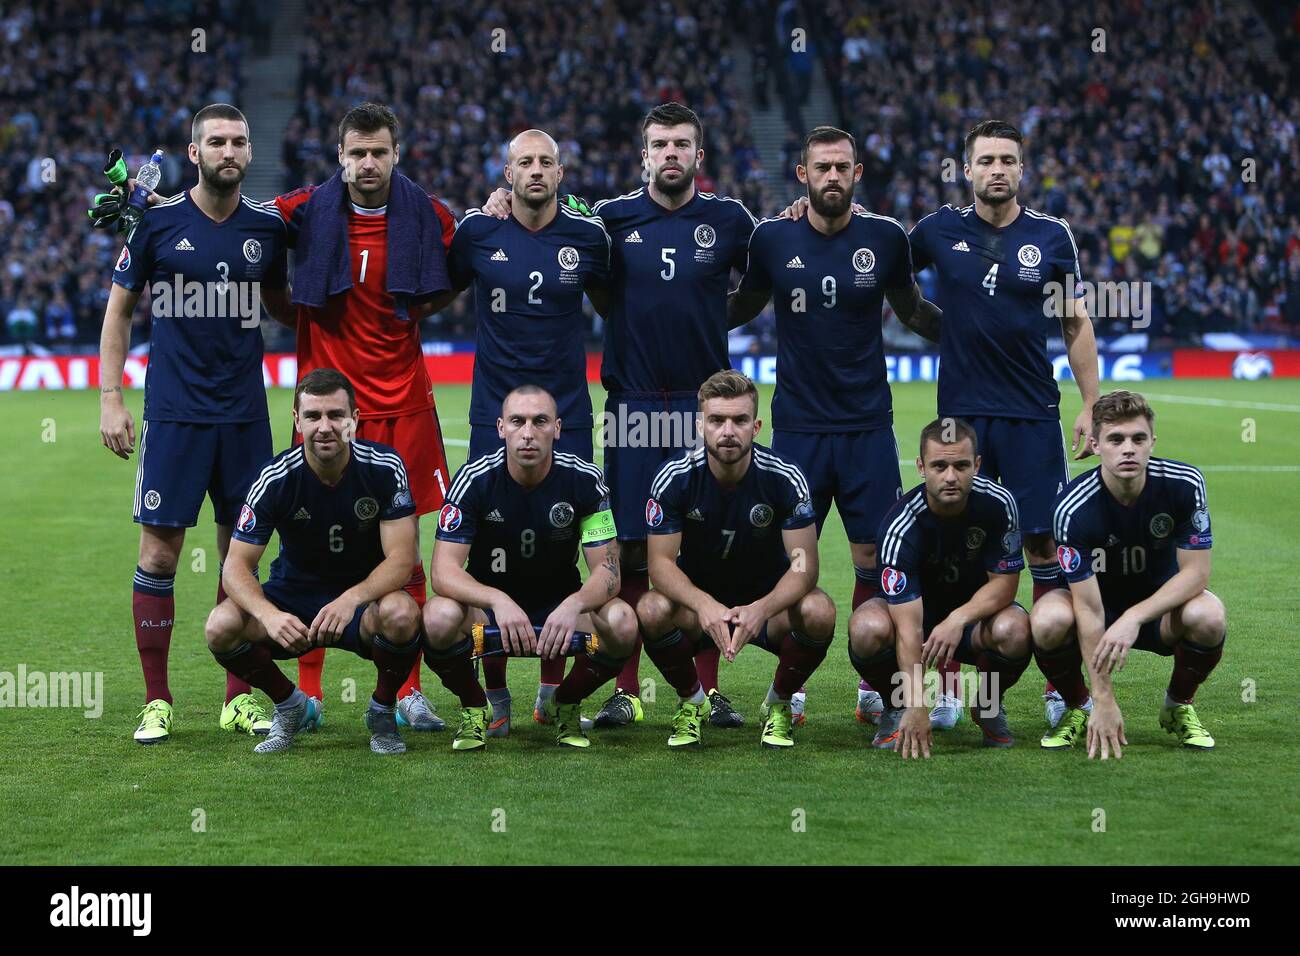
pixel 965 653
pixel 640 432
pixel 1148 638
pixel 537 614
pixel 304 602
pixel 1028 458
pixel 484 440
pixel 859 470
pixel 180 462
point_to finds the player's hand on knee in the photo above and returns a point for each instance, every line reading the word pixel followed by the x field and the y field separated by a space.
pixel 713 622
pixel 746 621
pixel 1106 730
pixel 287 631
pixel 498 203
pixel 914 734
pixel 558 629
pixel 331 620
pixel 942 643
pixel 1112 651
pixel 516 630
pixel 117 430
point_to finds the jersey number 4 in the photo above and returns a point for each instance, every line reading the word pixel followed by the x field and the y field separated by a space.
pixel 991 280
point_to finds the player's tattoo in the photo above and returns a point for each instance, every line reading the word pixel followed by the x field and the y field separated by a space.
pixel 107 389
pixel 610 564
pixel 924 320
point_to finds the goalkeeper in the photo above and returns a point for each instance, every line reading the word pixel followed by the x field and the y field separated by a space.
pixel 518 516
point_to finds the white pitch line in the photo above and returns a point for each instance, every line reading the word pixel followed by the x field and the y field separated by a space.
pixel 1222 402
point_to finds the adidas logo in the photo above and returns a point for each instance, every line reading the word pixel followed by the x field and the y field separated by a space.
pixel 795 263
pixel 494 515
pixel 961 246
pixel 302 515
pixel 184 246
pixel 500 256
pixel 633 236
pixel 694 515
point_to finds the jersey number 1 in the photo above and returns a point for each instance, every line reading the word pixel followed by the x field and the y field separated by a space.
pixel 365 257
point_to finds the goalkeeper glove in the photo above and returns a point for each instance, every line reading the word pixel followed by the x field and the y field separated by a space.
pixel 107 211
pixel 577 204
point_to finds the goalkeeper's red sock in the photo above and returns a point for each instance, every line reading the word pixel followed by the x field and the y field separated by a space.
pixel 234 685
pixel 415 586
pixel 310 667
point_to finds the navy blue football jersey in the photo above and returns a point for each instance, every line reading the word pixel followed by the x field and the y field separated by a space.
pixel 524 541
pixel 996 313
pixel 329 536
pixel 1131 549
pixel 827 292
pixel 669 277
pixel 205 354
pixel 528 289
pixel 731 537
pixel 946 560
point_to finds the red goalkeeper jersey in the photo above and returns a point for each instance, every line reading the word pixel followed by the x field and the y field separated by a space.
pixel 358 332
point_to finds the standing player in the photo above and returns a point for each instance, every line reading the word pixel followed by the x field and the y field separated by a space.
pixel 828 275
pixel 507 555
pixel 529 272
pixel 206 430
pixel 996 262
pixel 733 561
pixel 347 529
pixel 360 314
pixel 1134 542
pixel 950 553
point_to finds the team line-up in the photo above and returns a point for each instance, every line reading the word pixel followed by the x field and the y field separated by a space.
pixel 696 548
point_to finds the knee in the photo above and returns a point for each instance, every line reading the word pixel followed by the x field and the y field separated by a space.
pixel 1011 633
pixel 655 614
pixel 399 617
pixel 622 624
pixel 442 617
pixel 1205 620
pixel 870 630
pixel 1050 623
pixel 222 628
pixel 818 613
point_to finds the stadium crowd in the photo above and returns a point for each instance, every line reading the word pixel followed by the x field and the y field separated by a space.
pixel 1141 147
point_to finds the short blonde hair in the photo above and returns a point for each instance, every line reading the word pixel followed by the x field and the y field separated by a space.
pixel 728 383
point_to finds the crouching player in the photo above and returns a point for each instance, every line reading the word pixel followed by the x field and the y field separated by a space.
pixel 346 520
pixel 950 555
pixel 733 561
pixel 1133 538
pixel 518 516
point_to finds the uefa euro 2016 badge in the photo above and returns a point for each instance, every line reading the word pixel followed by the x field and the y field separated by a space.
pixel 449 518
pixel 654 514
pixel 893 581
pixel 1069 558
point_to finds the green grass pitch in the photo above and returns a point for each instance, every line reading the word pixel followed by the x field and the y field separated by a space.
pixel 80 791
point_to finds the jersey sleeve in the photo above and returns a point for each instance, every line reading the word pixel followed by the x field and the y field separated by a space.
pixel 756 277
pixel 798 506
pixel 397 502
pixel 1003 551
pixel 1074 540
pixel 663 512
pixel 1067 258
pixel 136 261
pixel 745 225
pixel 258 516
pixel 595 516
pixel 460 255
pixel 598 277
pixel 1192 522
pixel 900 578
pixel 920 240
pixel 292 207
pixel 459 517
pixel 277 273
pixel 446 219
pixel 900 276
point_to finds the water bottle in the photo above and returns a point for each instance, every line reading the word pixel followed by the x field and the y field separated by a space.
pixel 146 180
pixel 487 642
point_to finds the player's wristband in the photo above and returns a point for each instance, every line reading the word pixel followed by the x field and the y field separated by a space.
pixel 487 642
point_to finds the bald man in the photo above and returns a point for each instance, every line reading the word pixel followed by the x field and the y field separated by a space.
pixel 529 273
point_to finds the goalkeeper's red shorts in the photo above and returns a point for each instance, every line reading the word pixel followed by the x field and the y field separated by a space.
pixel 418 439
